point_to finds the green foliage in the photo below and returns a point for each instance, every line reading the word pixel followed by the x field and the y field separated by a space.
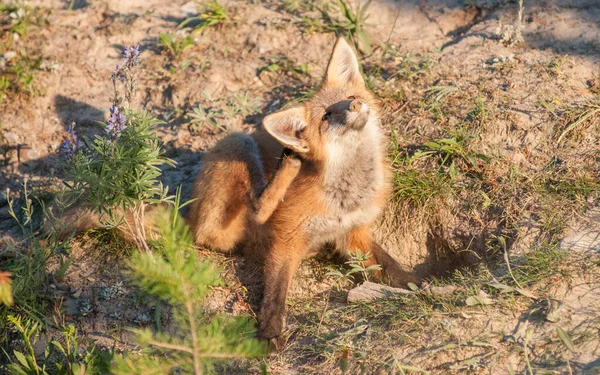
pixel 26 263
pixel 222 112
pixel 419 188
pixel 298 7
pixel 116 176
pixel 540 265
pixel 280 63
pixel 341 19
pixel 480 113
pixel 210 15
pixel 174 45
pixel 175 274
pixel 354 25
pixel 18 18
pixel 357 264
pixel 117 173
pixel 4 86
pixel 411 67
pixel 200 118
pixel 451 150
pixel 19 75
pixel 66 358
pixel 120 172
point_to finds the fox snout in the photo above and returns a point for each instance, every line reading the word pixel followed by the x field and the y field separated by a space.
pixel 358 114
pixel 350 114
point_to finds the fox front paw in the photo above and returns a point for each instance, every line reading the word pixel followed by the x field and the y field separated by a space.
pixel 270 329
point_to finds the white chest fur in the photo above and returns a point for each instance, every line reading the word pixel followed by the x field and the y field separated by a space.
pixel 352 180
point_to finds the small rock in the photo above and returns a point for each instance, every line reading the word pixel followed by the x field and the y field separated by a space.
pixel 77 294
pixel 368 291
pixel 9 55
pixel 11 138
pixel 33 154
pixel 440 291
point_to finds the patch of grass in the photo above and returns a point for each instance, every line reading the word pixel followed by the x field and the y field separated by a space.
pixel 582 114
pixel 299 7
pixel 223 112
pixel 19 76
pixel 18 18
pixel 542 265
pixel 4 86
pixel 27 262
pixel 480 113
pixel 354 24
pixel 210 15
pixel 175 45
pixel 341 19
pixel 555 65
pixel 68 357
pixel 281 64
pixel 201 118
pixel 410 67
pixel 419 188
pixel 454 153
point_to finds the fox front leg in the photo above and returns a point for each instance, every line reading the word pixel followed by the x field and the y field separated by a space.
pixel 275 191
pixel 281 264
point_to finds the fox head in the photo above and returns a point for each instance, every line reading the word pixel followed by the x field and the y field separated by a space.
pixel 335 118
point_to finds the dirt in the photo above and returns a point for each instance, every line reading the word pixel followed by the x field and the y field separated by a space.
pixel 555 64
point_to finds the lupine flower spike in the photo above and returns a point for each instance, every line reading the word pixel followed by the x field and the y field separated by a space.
pixel 70 143
pixel 131 56
pixel 116 123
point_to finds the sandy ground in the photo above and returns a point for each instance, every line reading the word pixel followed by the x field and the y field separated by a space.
pixel 82 46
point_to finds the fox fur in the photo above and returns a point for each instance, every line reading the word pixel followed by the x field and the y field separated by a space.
pixel 340 189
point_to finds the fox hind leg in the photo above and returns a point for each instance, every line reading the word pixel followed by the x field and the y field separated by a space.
pixel 231 177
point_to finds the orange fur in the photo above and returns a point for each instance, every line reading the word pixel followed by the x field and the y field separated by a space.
pixel 341 186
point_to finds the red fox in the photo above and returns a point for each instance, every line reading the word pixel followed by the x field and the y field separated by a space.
pixel 330 197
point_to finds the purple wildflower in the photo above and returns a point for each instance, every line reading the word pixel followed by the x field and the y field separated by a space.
pixel 131 56
pixel 116 123
pixel 70 143
pixel 118 74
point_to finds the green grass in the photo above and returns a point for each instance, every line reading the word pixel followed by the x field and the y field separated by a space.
pixel 20 76
pixel 419 188
pixel 211 15
pixel 175 46
pixel 18 18
pixel 541 266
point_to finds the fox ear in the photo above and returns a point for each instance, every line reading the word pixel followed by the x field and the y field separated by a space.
pixel 343 70
pixel 286 127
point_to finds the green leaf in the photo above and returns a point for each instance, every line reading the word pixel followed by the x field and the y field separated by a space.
pixel 21 358
pixel 452 171
pixel 526 293
pixel 566 339
pixel 188 20
pixel 478 300
pixel 502 287
pixel 432 145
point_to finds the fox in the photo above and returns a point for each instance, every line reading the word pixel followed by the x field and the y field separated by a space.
pixel 325 193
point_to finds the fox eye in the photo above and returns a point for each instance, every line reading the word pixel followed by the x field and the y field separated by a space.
pixel 352 97
pixel 326 116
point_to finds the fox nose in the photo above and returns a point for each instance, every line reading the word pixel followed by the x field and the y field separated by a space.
pixel 356 105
